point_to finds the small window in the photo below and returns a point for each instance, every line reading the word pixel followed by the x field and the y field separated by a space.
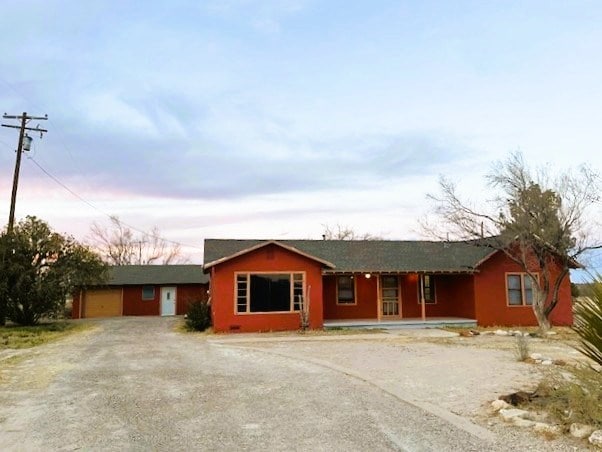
pixel 428 290
pixel 519 289
pixel 148 292
pixel 345 290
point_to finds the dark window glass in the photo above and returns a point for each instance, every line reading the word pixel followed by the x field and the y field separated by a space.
pixel 429 289
pixel 148 292
pixel 515 290
pixel 270 292
pixel 345 293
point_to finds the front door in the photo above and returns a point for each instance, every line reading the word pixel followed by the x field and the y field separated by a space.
pixel 390 296
pixel 168 301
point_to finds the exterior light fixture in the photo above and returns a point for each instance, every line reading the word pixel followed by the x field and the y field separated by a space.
pixel 368 275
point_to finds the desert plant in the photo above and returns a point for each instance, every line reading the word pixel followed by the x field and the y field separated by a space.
pixel 198 317
pixel 588 322
pixel 522 347
pixel 574 395
pixel 304 310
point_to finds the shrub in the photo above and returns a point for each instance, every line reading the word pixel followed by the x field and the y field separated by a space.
pixel 573 396
pixel 522 347
pixel 198 317
pixel 588 322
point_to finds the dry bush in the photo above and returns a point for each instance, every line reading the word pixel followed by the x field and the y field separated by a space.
pixel 522 347
pixel 572 397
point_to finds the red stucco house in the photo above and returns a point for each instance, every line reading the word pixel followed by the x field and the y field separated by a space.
pixel 257 285
pixel 143 290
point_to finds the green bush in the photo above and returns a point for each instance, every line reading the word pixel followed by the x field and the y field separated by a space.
pixel 198 317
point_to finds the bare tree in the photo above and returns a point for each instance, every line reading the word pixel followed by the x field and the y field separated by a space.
pixel 119 245
pixel 540 222
pixel 339 232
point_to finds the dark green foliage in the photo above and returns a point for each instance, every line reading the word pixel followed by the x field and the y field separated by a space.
pixel 198 317
pixel 39 268
pixel 574 290
pixel 588 322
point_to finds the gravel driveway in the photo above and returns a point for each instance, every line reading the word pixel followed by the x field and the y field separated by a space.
pixel 136 384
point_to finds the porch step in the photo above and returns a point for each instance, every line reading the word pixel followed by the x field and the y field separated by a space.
pixel 400 324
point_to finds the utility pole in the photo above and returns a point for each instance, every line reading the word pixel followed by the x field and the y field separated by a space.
pixel 24 145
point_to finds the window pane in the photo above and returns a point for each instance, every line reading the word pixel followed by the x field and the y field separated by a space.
pixel 345 289
pixel 148 292
pixel 528 282
pixel 389 293
pixel 297 291
pixel 241 293
pixel 389 281
pixel 529 296
pixel 270 293
pixel 429 288
pixel 515 297
pixel 514 282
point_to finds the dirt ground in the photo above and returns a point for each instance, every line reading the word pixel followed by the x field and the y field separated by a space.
pixel 460 374
pixel 433 369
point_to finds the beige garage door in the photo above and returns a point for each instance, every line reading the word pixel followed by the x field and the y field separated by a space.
pixel 103 303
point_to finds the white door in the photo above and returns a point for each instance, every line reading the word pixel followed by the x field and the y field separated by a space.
pixel 168 301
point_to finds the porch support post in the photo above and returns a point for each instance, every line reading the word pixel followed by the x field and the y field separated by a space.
pixel 378 300
pixel 422 305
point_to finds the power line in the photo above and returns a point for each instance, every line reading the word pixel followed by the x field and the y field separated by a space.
pixel 112 217
pixel 24 145
pixel 56 127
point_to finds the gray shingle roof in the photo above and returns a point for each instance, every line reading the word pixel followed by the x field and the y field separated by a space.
pixel 371 255
pixel 156 274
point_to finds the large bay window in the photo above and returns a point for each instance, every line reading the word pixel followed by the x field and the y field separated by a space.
pixel 269 292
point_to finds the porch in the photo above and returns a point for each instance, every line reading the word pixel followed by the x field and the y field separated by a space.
pixel 431 322
pixel 379 300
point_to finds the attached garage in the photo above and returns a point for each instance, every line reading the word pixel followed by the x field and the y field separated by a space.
pixel 103 303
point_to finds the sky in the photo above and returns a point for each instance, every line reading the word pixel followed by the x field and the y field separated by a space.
pixel 272 119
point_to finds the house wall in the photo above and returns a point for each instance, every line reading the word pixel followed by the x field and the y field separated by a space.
pixel 365 299
pixel 491 303
pixel 266 259
pixel 454 297
pixel 134 305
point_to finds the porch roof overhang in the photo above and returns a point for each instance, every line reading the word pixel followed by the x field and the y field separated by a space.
pixel 468 271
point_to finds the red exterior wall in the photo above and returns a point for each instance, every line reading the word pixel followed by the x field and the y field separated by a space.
pixel 454 297
pixel 75 307
pixel 268 258
pixel 134 305
pixel 490 294
pixel 365 298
